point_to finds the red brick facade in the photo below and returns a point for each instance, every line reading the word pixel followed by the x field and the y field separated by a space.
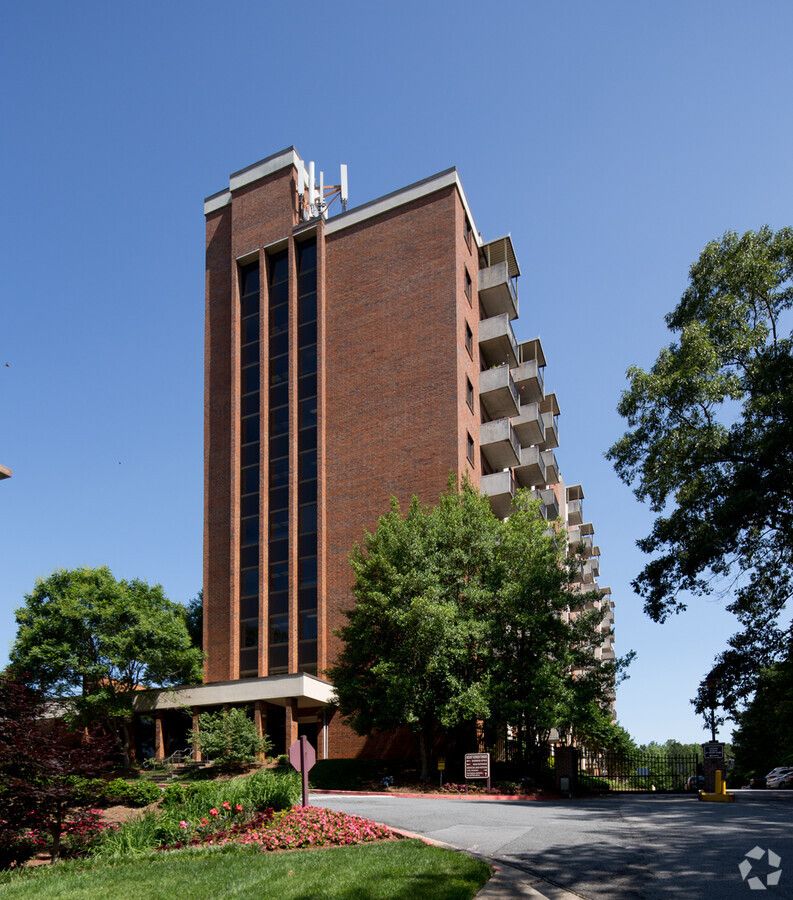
pixel 396 291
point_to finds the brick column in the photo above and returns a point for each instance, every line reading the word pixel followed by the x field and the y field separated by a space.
pixel 291 722
pixel 196 746
pixel 566 765
pixel 159 736
pixel 714 759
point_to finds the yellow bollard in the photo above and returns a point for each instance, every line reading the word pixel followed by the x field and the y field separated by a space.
pixel 720 792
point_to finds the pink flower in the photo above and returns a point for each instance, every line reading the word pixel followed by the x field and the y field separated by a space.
pixel 238 807
pixel 225 804
pixel 213 811
pixel 184 824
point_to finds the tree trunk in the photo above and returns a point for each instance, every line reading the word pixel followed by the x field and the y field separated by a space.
pixel 56 827
pixel 122 730
pixel 129 743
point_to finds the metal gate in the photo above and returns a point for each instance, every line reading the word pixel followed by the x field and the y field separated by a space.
pixel 604 772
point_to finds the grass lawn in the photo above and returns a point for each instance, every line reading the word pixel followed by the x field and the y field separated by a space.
pixel 396 870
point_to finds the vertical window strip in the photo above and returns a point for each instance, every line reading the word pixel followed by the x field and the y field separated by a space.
pixel 278 429
pixel 308 414
pixel 249 471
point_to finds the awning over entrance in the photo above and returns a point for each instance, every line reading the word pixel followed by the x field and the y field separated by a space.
pixel 279 690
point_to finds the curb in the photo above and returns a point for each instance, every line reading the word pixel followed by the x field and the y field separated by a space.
pixel 516 797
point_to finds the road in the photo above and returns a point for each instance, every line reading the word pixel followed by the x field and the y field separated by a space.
pixel 651 848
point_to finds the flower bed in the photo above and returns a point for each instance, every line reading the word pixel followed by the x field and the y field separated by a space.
pixel 80 834
pixel 298 827
pixel 508 788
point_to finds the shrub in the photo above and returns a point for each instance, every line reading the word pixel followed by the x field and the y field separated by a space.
pixel 230 738
pixel 131 793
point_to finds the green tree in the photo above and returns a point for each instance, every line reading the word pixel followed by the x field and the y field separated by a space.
pixel 195 620
pixel 460 617
pixel 230 738
pixel 544 634
pixel 710 448
pixel 410 645
pixel 764 737
pixel 91 642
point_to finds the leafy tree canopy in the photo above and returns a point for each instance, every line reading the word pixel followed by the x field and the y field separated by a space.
pixel 92 641
pixel 710 448
pixel 764 737
pixel 460 616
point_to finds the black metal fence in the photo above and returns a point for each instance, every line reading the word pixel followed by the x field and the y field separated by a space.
pixel 603 772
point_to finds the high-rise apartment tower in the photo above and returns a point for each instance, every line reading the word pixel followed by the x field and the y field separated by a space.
pixel 348 358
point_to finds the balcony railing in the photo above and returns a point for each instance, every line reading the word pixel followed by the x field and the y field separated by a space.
pixel 498 293
pixel 499 444
pixel 550 424
pixel 531 470
pixel 497 341
pixel 497 393
pixel 499 487
pixel 528 425
pixel 550 505
pixel 574 512
pixel 529 381
pixel 551 468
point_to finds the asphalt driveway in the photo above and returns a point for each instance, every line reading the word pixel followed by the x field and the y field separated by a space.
pixel 614 847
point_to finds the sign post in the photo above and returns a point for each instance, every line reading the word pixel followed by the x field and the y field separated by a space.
pixel 302 756
pixel 441 767
pixel 477 765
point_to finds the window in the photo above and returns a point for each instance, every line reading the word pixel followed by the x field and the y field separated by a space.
pixel 469 340
pixel 468 286
pixel 278 469
pixel 470 450
pixel 469 394
pixel 467 230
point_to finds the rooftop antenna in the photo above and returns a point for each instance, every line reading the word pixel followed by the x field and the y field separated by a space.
pixel 315 201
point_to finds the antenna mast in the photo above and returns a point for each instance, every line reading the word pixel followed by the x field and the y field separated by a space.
pixel 315 201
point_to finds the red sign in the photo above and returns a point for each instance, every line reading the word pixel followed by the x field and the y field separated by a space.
pixel 477 765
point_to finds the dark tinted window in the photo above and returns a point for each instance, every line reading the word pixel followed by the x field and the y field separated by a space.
pixel 250 530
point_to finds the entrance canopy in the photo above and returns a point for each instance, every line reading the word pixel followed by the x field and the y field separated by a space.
pixel 279 690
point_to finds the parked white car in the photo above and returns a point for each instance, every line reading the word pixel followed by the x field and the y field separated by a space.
pixel 776 777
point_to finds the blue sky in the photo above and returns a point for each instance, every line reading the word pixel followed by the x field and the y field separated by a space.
pixel 613 140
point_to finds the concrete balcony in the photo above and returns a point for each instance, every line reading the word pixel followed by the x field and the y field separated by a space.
pixel 579 542
pixel 550 505
pixel 498 277
pixel 551 468
pixel 499 444
pixel 528 425
pixel 577 572
pixel 499 487
pixel 498 394
pixel 589 571
pixel 531 470
pixel 550 426
pixel 529 381
pixel 497 341
pixel 575 515
pixel 549 408
pixel 498 292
